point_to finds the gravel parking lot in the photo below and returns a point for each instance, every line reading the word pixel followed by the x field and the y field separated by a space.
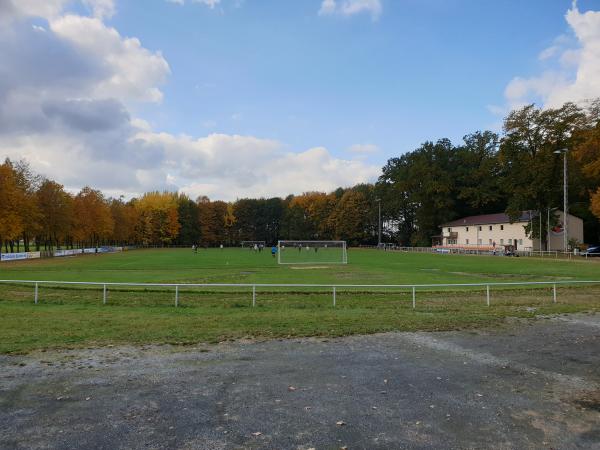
pixel 526 384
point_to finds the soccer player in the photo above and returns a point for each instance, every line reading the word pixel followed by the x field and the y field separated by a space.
pixel 274 251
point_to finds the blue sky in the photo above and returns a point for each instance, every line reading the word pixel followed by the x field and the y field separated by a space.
pixel 425 69
pixel 217 96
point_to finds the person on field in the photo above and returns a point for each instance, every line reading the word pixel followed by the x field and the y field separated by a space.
pixel 273 251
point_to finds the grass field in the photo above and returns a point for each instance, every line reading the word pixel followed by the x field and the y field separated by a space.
pixel 68 317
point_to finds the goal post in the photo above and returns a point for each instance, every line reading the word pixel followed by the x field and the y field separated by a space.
pixel 312 252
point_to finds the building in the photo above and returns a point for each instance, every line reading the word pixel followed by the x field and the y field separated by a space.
pixel 490 231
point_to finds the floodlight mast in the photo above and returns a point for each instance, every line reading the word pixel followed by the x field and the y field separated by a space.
pixel 379 223
pixel 564 151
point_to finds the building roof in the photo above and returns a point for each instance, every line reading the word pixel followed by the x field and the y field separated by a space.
pixel 489 219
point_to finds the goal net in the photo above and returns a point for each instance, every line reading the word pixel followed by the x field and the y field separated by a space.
pixel 251 244
pixel 312 252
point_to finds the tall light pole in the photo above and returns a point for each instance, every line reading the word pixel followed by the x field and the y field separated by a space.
pixel 379 224
pixel 564 151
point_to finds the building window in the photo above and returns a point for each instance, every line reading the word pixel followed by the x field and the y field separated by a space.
pixel 466 228
pixel 501 241
pixel 479 228
pixel 449 230
pixel 520 241
pixel 501 227
pixel 467 241
pixel 478 241
pixel 510 242
pixel 490 242
pixel 491 228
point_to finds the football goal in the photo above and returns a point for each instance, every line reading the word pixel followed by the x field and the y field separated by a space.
pixel 312 252
pixel 251 244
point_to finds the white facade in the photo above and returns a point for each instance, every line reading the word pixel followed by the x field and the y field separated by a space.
pixel 491 231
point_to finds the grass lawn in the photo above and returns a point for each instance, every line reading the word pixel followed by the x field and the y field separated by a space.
pixel 247 266
pixel 69 317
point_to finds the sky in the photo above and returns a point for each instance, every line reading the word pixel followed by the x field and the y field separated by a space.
pixel 252 98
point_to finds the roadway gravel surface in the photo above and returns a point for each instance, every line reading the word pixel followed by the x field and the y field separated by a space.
pixel 526 384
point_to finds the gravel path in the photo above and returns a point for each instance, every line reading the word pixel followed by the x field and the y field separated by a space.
pixel 527 384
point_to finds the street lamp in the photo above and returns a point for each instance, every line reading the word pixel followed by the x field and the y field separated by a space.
pixel 564 151
pixel 378 200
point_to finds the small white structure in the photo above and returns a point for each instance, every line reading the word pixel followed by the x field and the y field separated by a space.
pixel 495 231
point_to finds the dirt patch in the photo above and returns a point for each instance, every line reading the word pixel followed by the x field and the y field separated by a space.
pixel 589 400
pixel 308 267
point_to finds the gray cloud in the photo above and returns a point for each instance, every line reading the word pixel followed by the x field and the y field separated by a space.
pixel 87 115
pixel 65 95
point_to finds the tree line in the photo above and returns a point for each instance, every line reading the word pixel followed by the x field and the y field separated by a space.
pixel 418 191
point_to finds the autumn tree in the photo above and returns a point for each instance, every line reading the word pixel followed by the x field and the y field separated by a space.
pixel 56 213
pixel 159 218
pixel 11 200
pixel 125 217
pixel 351 218
pixel 92 219
pixel 187 212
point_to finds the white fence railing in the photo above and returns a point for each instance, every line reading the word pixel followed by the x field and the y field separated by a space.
pixel 334 287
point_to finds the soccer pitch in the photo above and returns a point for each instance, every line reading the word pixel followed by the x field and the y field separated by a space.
pixel 69 316
pixel 235 265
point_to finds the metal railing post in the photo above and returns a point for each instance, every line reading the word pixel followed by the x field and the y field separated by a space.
pixel 334 296
pixel 554 293
pixel 414 297
pixel 488 295
pixel 104 295
pixel 35 296
pixel 253 295
pixel 176 295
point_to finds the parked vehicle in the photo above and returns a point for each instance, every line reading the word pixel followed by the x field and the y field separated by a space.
pixel 592 251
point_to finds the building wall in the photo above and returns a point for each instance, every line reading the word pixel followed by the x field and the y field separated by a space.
pixel 482 235
pixel 507 233
pixel 575 230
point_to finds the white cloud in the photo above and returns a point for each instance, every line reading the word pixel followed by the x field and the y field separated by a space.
pixel 210 3
pixel 39 8
pixel 351 7
pixel 363 149
pixel 65 98
pixel 132 72
pixel 573 68
pixel 101 8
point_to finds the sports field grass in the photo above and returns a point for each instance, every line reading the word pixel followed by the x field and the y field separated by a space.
pixel 68 317
pixel 246 266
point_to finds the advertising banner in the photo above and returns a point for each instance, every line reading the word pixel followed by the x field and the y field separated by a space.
pixel 68 252
pixel 19 256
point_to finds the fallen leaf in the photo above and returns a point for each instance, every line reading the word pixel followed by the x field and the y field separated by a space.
pixel 341 423
pixel 256 433
pixel 291 388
